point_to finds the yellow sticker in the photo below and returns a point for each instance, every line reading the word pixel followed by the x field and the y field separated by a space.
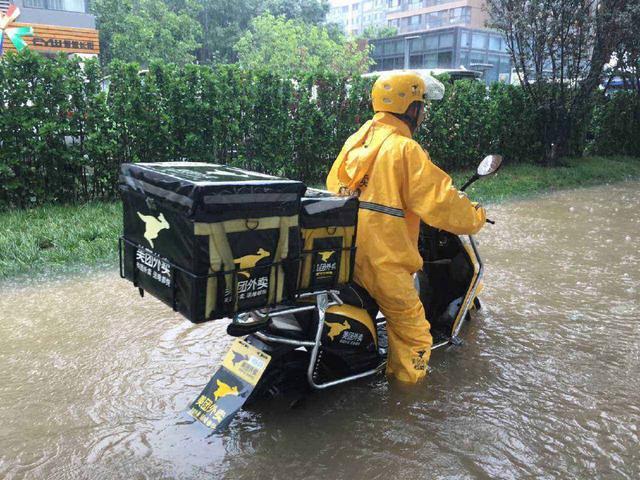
pixel 246 361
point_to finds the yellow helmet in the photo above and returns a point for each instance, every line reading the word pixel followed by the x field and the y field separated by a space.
pixel 395 91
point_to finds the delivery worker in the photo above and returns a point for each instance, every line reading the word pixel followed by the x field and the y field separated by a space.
pixel 398 186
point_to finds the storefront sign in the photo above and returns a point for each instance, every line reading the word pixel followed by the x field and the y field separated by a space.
pixel 45 38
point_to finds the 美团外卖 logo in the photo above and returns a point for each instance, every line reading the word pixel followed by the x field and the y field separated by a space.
pixel 326 268
pixel 153 226
pixel 419 361
pixel 250 261
pixel 223 390
pixel 326 255
pixel 336 329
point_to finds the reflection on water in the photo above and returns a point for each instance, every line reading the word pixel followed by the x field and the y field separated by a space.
pixel 95 379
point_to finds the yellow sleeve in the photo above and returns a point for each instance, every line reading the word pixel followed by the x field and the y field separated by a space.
pixel 429 193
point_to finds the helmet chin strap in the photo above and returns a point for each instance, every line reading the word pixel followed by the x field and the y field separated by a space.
pixel 411 121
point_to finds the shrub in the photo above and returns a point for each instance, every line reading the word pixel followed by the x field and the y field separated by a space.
pixel 63 136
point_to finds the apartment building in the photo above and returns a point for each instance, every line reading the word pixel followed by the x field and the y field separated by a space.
pixel 55 26
pixel 445 34
pixel 354 16
pixel 446 48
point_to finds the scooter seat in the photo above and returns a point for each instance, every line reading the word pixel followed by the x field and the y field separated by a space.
pixel 355 295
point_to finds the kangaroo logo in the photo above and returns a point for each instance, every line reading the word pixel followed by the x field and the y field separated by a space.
pixel 326 255
pixel 239 357
pixel 336 329
pixel 153 226
pixel 249 261
pixel 223 390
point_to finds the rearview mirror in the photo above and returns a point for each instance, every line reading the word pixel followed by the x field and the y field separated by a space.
pixel 490 164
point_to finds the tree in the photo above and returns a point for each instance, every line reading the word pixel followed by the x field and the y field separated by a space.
pixel 181 31
pixel 626 64
pixel 372 32
pixel 559 49
pixel 146 30
pixel 308 11
pixel 289 47
pixel 225 21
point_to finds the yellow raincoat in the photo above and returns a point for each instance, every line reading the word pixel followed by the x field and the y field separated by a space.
pixel 398 185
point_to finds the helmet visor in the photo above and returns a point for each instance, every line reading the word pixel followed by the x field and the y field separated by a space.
pixel 435 88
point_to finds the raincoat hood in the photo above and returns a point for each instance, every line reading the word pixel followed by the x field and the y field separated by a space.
pixel 361 149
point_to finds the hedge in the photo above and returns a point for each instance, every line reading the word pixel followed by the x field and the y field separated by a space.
pixel 66 128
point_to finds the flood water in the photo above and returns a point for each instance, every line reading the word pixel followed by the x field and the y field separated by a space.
pixel 95 380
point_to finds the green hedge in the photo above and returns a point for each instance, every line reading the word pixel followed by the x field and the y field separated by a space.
pixel 65 129
pixel 615 127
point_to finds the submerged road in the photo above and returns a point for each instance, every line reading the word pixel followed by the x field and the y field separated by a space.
pixel 95 379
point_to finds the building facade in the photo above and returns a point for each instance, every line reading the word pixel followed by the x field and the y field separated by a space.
pixel 432 34
pixel 407 16
pixel 56 26
pixel 446 48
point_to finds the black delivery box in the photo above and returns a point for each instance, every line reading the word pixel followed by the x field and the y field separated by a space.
pixel 210 240
pixel 328 225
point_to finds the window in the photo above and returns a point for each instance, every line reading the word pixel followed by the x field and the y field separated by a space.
pixel 479 40
pixel 497 44
pixel 415 61
pixel 431 42
pixel 435 19
pixel 415 45
pixel 66 5
pixel 414 20
pixel 394 23
pixel 446 40
pixel 494 43
pixel 465 40
pixel 445 59
pixel 393 3
pixel 460 15
pixel 394 47
pixel 387 64
pixel 505 65
pixel 464 58
pixel 476 57
pixel 431 60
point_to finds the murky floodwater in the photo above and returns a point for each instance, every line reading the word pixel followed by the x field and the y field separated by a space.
pixel 94 379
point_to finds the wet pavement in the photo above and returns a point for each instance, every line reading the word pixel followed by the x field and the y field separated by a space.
pixel 96 380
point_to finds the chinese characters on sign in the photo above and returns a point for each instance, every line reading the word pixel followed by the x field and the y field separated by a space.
pixel 253 287
pixel 63 43
pixel 154 266
pixel 207 412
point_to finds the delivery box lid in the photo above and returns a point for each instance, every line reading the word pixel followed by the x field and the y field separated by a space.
pixel 201 189
pixel 321 208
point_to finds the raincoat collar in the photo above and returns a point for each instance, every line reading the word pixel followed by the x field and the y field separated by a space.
pixel 386 118
pixel 361 149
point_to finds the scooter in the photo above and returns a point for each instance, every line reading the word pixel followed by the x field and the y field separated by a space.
pixel 331 337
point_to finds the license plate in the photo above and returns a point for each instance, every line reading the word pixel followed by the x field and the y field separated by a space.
pixel 230 386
